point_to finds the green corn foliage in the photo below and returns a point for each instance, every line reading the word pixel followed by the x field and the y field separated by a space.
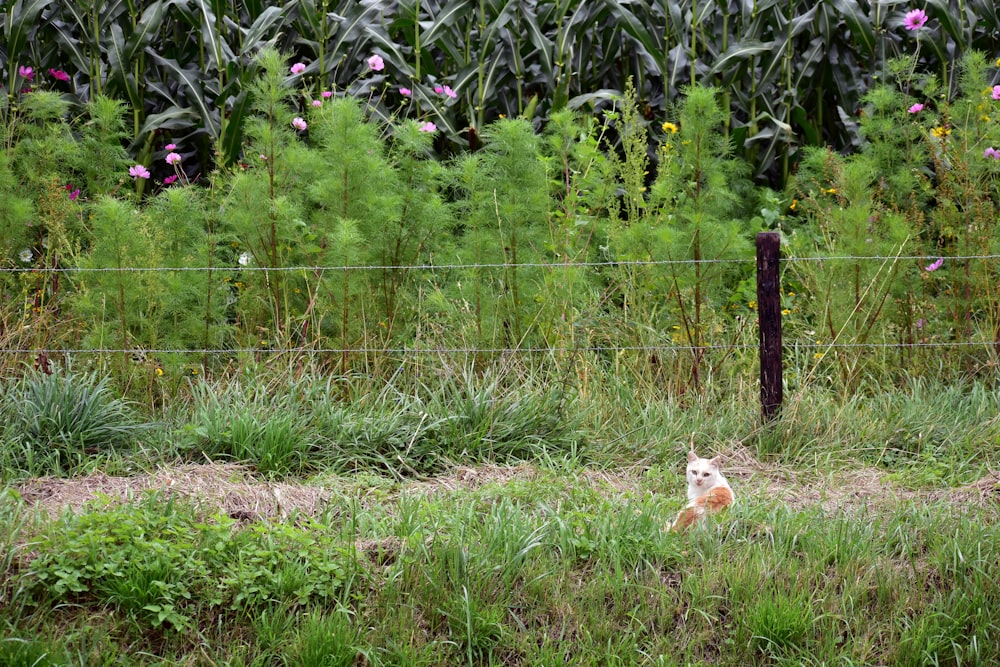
pixel 792 73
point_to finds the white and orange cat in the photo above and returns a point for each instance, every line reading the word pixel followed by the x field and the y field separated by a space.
pixel 708 491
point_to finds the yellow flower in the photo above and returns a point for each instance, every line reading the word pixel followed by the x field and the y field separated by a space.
pixel 984 118
pixel 818 355
pixel 159 371
pixel 670 127
pixel 940 132
pixel 752 305
pixel 794 204
pixel 786 312
pixel 829 191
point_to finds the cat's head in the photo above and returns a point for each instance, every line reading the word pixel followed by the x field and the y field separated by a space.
pixel 701 472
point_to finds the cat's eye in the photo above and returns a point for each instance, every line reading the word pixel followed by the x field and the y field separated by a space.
pixel 704 474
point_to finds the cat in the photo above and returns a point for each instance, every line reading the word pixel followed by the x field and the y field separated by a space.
pixel 708 491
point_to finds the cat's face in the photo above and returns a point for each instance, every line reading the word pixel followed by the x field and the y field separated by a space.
pixel 702 473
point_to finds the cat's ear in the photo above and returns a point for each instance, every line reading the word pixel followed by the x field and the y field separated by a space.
pixel 692 457
pixel 716 461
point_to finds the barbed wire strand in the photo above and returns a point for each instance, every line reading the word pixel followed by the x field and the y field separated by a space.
pixel 487 265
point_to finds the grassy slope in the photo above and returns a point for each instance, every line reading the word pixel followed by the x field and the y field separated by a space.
pixel 548 565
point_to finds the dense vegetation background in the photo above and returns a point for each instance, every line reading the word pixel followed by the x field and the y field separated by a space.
pixel 791 73
pixel 579 180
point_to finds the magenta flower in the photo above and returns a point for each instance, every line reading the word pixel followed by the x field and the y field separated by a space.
pixel 298 68
pixel 58 74
pixel 169 147
pixel 450 93
pixel 170 179
pixel 428 127
pixel 915 19
pixel 173 158
pixel 138 171
pixel 327 94
pixel 996 92
pixel 935 265
pixel 405 92
pixel 299 124
pixel 991 153
pixel 73 193
pixel 438 89
pixel 317 103
pixel 26 72
pixel 916 108
pixel 376 64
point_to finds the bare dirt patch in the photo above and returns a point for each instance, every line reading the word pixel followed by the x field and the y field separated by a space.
pixel 847 490
pixel 232 488
pixel 222 485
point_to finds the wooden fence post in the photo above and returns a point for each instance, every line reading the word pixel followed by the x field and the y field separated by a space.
pixel 769 317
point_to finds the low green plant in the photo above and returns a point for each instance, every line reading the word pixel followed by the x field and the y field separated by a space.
pixel 324 640
pixel 17 652
pixel 243 423
pixel 161 564
pixel 57 422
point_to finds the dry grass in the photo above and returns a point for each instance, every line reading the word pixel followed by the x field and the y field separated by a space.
pixel 223 485
pixel 232 489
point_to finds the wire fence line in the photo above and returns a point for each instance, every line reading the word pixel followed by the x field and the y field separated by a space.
pixel 488 265
pixel 417 350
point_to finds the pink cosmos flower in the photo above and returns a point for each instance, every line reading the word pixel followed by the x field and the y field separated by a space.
pixel 58 74
pixel 170 179
pixel 299 124
pixel 173 158
pixel 376 64
pixel 317 103
pixel 915 19
pixel 169 147
pixel 916 108
pixel 996 92
pixel 26 72
pixel 438 89
pixel 327 94
pixel 298 68
pixel 138 171
pixel 450 93
pixel 991 153
pixel 935 265
pixel 428 127
pixel 405 92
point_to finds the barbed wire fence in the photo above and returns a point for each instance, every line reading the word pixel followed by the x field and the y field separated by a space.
pixel 801 344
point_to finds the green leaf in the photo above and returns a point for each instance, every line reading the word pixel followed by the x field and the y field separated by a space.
pixel 188 78
pixel 145 30
pixel 434 29
pixel 858 23
pixel 268 20
pixel 738 53
pixel 22 22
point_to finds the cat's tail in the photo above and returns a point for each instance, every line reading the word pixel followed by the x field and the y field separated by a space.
pixel 714 501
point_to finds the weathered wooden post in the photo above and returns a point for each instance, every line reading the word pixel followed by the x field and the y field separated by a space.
pixel 769 316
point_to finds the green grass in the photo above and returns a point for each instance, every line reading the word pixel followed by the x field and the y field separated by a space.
pixel 874 557
pixel 547 568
